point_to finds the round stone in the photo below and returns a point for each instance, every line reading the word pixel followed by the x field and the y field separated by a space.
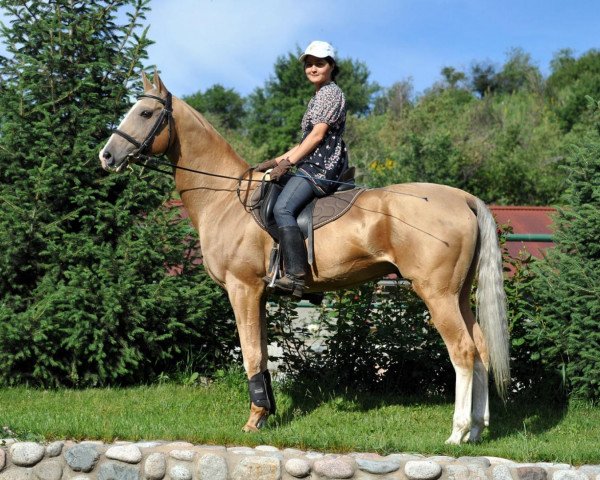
pixel 155 467
pixel 259 468
pixel 212 448
pixel 457 472
pixel 117 471
pixel 314 455
pixel 241 451
pixel 180 472
pixel 476 472
pixel 479 461
pixel 125 453
pixel 212 467
pixel 82 458
pixel 569 475
pixel 377 467
pixel 147 444
pixel 185 455
pixel 49 470
pixel 501 472
pixel 26 454
pixel 54 449
pixel 590 470
pixel 532 473
pixel 501 461
pixel 442 459
pixel 297 467
pixel 266 448
pixel 180 445
pixel 293 451
pixel 334 468
pixel 16 474
pixel 422 470
pixel 403 457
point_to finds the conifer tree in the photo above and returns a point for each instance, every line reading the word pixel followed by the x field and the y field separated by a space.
pixel 566 289
pixel 86 297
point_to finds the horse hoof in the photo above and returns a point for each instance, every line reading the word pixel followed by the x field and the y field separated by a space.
pixel 262 421
pixel 249 428
pixel 257 420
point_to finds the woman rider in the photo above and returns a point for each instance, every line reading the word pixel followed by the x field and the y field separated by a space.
pixel 320 159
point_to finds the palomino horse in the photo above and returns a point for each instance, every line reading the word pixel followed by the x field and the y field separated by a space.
pixel 437 243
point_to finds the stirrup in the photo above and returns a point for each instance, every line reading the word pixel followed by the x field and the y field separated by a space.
pixel 290 285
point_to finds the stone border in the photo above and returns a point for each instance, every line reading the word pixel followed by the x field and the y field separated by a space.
pixel 185 461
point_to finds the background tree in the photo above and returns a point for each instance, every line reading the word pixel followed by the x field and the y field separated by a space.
pixel 276 110
pixel 483 78
pixel 519 73
pixel 224 103
pixel 573 79
pixel 453 77
pixel 87 294
pixel 564 330
pixel 396 99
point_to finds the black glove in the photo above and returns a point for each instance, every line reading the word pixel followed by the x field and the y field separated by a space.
pixel 280 170
pixel 264 166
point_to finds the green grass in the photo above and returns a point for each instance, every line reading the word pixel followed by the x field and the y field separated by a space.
pixel 214 414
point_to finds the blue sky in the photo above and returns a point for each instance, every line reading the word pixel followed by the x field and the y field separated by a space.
pixel 236 42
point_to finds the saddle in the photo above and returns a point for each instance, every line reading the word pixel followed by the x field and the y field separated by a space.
pixel 316 214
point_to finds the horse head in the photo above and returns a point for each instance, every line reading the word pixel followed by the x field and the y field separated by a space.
pixel 145 130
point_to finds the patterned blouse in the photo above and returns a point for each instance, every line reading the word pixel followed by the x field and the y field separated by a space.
pixel 330 158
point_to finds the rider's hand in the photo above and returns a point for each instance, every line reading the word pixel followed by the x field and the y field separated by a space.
pixel 266 165
pixel 280 170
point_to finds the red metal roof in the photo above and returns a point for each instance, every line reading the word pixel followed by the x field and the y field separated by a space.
pixel 525 220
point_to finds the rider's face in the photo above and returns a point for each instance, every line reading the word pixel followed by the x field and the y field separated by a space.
pixel 317 70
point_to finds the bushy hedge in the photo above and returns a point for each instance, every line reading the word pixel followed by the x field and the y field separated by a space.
pixel 120 317
pixel 365 339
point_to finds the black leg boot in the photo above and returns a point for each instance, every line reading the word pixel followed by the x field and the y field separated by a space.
pixel 295 265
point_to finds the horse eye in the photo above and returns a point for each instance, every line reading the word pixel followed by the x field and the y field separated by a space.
pixel 146 113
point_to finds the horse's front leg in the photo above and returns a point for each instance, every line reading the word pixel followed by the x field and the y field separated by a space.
pixel 249 308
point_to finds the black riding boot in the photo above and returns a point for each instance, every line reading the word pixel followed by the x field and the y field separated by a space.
pixel 295 265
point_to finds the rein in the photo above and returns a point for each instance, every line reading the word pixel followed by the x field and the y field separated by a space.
pixel 167 114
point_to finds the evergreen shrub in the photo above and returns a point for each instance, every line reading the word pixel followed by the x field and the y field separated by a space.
pixel 87 291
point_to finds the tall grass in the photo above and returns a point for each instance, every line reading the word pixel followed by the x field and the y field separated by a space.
pixel 308 418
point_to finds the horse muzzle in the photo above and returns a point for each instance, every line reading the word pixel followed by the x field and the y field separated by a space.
pixel 112 164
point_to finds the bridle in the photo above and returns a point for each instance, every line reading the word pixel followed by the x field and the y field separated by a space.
pixel 166 114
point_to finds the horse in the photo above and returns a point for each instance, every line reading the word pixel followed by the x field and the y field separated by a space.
pixel 434 236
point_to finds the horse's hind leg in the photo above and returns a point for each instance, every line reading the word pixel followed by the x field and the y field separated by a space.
pixel 481 411
pixel 446 316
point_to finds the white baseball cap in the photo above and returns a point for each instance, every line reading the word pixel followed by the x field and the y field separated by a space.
pixel 319 49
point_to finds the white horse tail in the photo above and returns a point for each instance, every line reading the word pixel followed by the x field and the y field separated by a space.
pixel 491 298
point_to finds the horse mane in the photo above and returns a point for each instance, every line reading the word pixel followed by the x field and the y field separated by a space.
pixel 206 125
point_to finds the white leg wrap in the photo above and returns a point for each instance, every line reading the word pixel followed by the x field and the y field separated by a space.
pixel 462 406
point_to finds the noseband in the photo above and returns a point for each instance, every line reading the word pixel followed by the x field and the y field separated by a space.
pixel 166 114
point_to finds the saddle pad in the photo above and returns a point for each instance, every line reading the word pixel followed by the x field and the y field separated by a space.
pixel 332 207
pixel 326 209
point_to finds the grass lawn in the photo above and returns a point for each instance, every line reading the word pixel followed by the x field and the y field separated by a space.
pixel 329 422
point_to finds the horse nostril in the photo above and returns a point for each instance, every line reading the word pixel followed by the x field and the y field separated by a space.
pixel 108 157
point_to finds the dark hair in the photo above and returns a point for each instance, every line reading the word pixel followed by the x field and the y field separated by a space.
pixel 336 69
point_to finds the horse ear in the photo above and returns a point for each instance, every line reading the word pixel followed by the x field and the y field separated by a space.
pixel 158 82
pixel 146 82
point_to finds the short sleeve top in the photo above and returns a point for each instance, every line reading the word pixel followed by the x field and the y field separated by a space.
pixel 330 158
